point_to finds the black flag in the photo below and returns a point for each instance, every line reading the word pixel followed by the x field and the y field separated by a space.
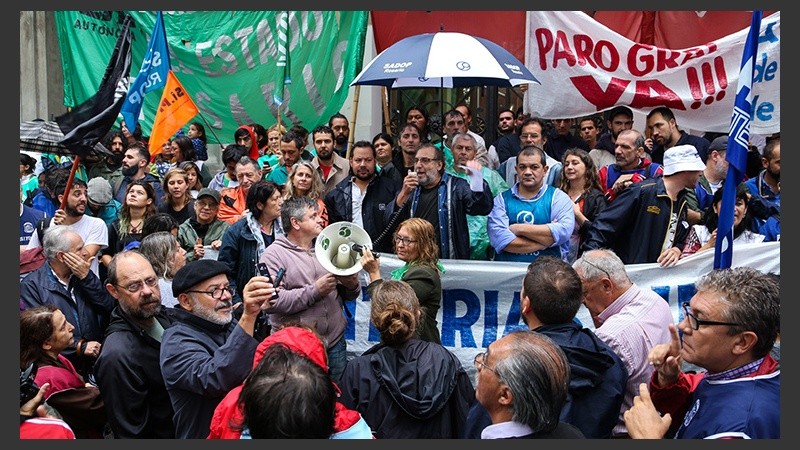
pixel 86 124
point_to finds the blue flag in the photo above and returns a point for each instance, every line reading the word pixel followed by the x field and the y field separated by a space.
pixel 152 75
pixel 738 140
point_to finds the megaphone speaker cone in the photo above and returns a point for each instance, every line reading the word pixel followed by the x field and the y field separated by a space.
pixel 334 247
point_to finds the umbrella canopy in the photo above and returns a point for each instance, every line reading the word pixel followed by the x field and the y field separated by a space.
pixel 43 135
pixel 444 60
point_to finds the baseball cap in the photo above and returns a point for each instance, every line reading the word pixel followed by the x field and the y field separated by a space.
pixel 682 158
pixel 208 192
pixel 719 144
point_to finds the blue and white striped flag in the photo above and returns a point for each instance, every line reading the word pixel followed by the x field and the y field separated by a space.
pixel 152 75
pixel 738 141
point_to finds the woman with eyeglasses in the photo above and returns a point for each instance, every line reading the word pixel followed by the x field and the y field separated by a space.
pixel 414 243
pixel 404 387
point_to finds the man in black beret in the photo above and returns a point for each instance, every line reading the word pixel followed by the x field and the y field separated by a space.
pixel 207 352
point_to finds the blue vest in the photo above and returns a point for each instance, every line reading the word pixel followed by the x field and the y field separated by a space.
pixel 532 212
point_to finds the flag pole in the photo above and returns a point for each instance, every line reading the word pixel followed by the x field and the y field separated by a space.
pixel 209 127
pixel 353 121
pixel 387 124
pixel 738 138
pixel 75 163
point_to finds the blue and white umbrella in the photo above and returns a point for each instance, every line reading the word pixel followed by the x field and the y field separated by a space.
pixel 444 60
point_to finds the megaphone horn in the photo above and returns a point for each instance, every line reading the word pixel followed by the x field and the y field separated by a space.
pixel 339 247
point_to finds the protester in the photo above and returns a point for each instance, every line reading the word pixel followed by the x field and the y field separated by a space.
pixel 44 333
pixel 310 294
pixel 167 257
pixel 128 370
pixel 66 281
pixel 204 230
pixel 304 180
pixel 728 328
pixel 227 420
pixel 415 244
pixel 522 382
pixel 178 201
pixel 207 352
pixel 404 387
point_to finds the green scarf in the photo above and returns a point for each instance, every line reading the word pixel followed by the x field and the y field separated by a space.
pixel 397 274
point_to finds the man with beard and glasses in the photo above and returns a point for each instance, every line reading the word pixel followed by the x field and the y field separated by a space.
pixel 206 352
pixel 92 230
pixel 128 371
pixel 135 167
pixel 363 197
pixel 332 168
pixel 341 133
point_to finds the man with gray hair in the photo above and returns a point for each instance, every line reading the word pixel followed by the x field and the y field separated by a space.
pixel 630 319
pixel 66 281
pixel 728 328
pixel 522 383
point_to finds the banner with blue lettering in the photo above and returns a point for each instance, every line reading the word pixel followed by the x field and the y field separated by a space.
pixel 480 299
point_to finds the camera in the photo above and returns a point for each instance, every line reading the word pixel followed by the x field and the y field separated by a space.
pixel 27 386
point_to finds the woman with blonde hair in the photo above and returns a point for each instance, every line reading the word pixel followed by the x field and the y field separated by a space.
pixel 305 181
pixel 178 201
pixel 404 387
pixel 415 243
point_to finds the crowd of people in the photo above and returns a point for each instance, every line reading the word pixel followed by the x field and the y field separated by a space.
pixel 151 305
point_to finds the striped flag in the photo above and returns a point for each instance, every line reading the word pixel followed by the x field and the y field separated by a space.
pixel 175 110
pixel 152 75
pixel 86 124
pixel 738 140
pixel 282 63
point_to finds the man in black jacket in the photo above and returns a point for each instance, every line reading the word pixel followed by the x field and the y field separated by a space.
pixel 128 370
pixel 362 198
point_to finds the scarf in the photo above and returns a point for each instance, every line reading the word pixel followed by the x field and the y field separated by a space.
pixel 397 274
pixel 255 228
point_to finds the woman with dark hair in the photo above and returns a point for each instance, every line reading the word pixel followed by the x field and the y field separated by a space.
pixel 415 243
pixel 163 161
pixel 244 242
pixel 703 236
pixel 178 202
pixel 384 146
pixel 420 117
pixel 44 332
pixel 197 133
pixel 580 181
pixel 139 204
pixel 404 387
pixel 27 180
pixel 183 150
pixel 195 179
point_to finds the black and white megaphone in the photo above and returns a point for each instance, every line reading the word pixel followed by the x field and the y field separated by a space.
pixel 339 246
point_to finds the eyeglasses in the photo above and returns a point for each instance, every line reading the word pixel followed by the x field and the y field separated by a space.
pixel 217 292
pixel 137 286
pixel 598 268
pixel 480 361
pixel 404 240
pixel 425 160
pixel 695 323
pixel 202 205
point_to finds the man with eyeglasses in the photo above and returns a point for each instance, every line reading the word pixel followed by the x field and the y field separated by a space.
pixel 729 328
pixel 630 319
pixel 128 370
pixel 207 352
pixel 204 229
pixel 443 200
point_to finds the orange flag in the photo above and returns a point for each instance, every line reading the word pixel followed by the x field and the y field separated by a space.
pixel 175 110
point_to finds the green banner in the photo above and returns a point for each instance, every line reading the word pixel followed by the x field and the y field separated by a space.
pixel 228 61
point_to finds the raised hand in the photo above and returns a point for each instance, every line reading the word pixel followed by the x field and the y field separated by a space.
pixel 666 359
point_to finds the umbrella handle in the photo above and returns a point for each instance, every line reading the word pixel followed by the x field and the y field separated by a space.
pixel 74 169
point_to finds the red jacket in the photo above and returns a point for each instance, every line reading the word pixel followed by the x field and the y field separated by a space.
pixel 227 417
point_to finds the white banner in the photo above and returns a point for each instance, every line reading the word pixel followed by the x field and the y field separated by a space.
pixel 480 299
pixel 584 67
